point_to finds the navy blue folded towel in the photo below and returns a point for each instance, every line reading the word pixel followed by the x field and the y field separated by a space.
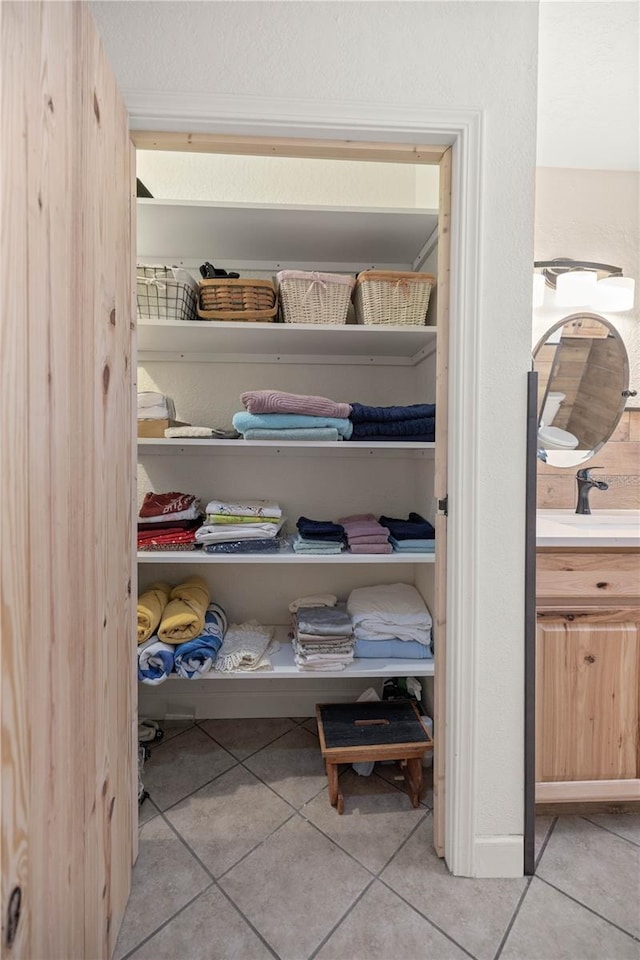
pixel 319 529
pixel 360 413
pixel 399 429
pixel 397 438
pixel 415 528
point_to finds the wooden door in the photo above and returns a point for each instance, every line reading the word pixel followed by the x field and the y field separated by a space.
pixel 66 428
pixel 587 682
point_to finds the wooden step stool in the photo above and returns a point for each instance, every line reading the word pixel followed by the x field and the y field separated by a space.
pixel 370 731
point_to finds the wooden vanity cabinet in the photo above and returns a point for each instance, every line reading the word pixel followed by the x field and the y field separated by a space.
pixel 588 677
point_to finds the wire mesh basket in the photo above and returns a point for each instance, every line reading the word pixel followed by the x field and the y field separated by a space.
pixel 165 293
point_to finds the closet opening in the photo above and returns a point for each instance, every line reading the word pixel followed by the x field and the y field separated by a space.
pixel 258 207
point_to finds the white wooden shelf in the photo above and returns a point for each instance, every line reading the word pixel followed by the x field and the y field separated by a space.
pixel 229 342
pixel 284 666
pixel 199 557
pixel 289 448
pixel 245 234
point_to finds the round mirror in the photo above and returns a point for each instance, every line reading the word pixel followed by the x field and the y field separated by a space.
pixel 583 376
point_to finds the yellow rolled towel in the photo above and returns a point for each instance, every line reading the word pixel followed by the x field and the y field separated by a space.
pixel 183 617
pixel 151 605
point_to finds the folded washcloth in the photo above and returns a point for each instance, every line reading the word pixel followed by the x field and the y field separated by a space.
pixel 244 421
pixel 183 617
pixel 151 603
pixel 195 657
pixel 301 545
pixel 389 610
pixel 415 528
pixel 317 600
pixel 275 401
pixel 413 546
pixel 155 661
pixel 392 650
pixel 250 508
pixel 245 647
pixel 370 547
pixel 270 545
pixel 324 621
pixel 319 529
pixel 395 429
pixel 314 434
pixel 360 413
pixel 203 433
pixel 157 505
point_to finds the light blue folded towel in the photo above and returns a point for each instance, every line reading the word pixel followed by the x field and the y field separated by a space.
pixel 392 650
pixel 244 421
pixel 195 657
pixel 413 546
pixel 317 546
pixel 310 433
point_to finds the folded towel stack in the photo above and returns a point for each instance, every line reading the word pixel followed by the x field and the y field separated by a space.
pixel 415 535
pixel 252 526
pixel 168 521
pixel 390 621
pixel 416 423
pixel 322 634
pixel 318 537
pixel 274 415
pixel 365 534
pixel 155 406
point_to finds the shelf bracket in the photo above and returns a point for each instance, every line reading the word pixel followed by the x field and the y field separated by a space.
pixel 443 505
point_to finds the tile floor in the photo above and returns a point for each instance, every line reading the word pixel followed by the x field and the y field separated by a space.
pixel 242 858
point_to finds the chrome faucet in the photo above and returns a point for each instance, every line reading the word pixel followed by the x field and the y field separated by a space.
pixel 585 483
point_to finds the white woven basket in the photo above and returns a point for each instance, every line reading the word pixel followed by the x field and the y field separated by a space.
pixel 314 297
pixel 387 297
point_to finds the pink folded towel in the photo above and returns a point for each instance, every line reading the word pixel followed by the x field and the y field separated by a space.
pixel 365 528
pixel 369 538
pixel 275 401
pixel 355 518
pixel 371 548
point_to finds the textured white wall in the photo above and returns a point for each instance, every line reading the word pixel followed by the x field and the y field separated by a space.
pixel 589 85
pixel 437 54
pixel 592 215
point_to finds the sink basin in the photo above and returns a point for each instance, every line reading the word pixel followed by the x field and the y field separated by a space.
pixel 600 528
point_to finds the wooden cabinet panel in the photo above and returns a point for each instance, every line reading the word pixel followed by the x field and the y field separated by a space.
pixel 587 681
pixel 583 575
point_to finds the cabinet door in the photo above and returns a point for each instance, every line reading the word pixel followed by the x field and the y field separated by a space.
pixel 587 678
pixel 66 425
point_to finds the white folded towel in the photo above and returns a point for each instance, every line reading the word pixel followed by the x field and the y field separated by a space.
pixel 250 508
pixel 155 406
pixel 226 532
pixel 391 610
pixel 245 647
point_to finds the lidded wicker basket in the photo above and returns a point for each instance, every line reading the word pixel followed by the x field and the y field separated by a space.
pixel 389 297
pixel 244 299
pixel 311 297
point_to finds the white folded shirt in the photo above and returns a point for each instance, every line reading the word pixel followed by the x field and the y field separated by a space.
pixel 224 532
pixel 250 508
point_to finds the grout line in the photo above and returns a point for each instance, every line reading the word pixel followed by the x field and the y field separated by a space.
pixel 172 806
pixel 333 929
pixel 514 916
pixel 612 832
pixel 186 844
pixel 249 923
pixel 611 923
pixel 421 822
pixel 336 844
pixel 255 846
pixel 166 922
pixel 544 844
pixel 264 745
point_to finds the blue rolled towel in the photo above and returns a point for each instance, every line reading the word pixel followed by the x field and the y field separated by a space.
pixel 195 657
pixel 415 528
pixel 319 529
pixel 155 660
pixel 426 426
pixel 360 413
pixel 244 421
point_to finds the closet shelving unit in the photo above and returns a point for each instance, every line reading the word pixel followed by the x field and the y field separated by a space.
pixel 380 364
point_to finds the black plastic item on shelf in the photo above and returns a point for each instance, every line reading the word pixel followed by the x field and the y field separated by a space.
pixel 209 272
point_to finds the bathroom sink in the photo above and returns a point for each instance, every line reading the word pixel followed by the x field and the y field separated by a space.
pixel 599 529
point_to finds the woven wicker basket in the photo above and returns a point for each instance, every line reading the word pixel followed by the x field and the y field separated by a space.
pixel 314 297
pixel 165 293
pixel 243 299
pixel 387 297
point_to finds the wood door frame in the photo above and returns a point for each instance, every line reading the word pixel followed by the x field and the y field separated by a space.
pixel 452 139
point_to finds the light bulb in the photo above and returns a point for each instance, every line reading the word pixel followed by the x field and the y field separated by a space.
pixel 538 290
pixel 614 294
pixel 576 288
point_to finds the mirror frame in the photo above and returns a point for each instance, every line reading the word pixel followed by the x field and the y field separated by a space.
pixel 625 360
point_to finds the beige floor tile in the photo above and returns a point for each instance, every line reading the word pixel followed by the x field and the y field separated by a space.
pixel 311 725
pixel 165 877
pixel 543 826
pixel 226 818
pixel 244 737
pixel 595 867
pixel 292 766
pixel 171 728
pixel 549 926
pixel 209 929
pixel 295 887
pixel 382 926
pixel 626 825
pixel 377 818
pixel 146 811
pixel 179 767
pixel 390 773
pixel 475 913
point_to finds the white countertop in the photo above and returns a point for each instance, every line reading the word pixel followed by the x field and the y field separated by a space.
pixel 601 528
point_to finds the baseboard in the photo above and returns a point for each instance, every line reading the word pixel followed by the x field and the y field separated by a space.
pixel 498 856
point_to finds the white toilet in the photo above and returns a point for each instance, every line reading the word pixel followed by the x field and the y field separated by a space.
pixel 553 438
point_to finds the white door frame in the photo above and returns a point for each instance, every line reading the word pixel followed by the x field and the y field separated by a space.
pixel 462 129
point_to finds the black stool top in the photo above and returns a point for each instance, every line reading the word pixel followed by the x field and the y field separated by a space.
pixel 399 723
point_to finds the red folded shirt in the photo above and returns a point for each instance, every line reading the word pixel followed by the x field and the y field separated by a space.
pixel 179 536
pixel 169 525
pixel 158 504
